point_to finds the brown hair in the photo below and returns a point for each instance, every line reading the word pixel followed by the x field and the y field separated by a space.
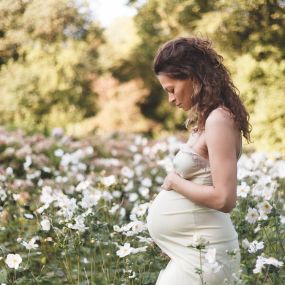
pixel 194 57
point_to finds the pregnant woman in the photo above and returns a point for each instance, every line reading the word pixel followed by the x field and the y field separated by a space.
pixel 190 217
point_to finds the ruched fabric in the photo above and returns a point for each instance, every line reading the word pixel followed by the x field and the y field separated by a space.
pixel 174 222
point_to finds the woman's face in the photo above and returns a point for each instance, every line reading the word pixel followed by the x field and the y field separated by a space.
pixel 179 91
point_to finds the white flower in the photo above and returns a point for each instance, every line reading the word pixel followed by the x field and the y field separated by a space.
pixel 278 170
pixel 109 180
pixel 198 240
pixel 67 207
pixel 3 195
pixel 252 215
pixel 243 190
pixel 261 261
pixel 137 158
pixel 116 228
pixel 139 249
pixel 144 191
pixel 31 244
pixel 13 260
pixel 57 132
pixel 113 210
pixel 9 171
pixel 133 197
pixel 145 240
pixel 83 185
pixel 122 212
pixel 255 246
pixel 257 229
pixel 59 152
pixel 133 275
pixel 264 207
pixel 129 186
pixel 27 162
pixel 262 216
pixel 90 198
pixel 211 265
pixel 28 216
pixel 135 226
pixel 47 195
pixel 124 250
pixel 117 194
pixel 282 220
pixel 146 182
pixel 133 148
pixel 45 223
pixel 274 261
pixel 127 172
pixel 79 224
pixel 245 243
pixel 159 179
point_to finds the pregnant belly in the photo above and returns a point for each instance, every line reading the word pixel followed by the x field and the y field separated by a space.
pixel 170 215
pixel 173 216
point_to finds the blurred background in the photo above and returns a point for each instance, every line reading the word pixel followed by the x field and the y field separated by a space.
pixel 86 66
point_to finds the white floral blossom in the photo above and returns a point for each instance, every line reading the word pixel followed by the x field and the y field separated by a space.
pixel 252 215
pixel 127 172
pixel 243 190
pixel 261 261
pixel 79 224
pixel 144 191
pixel 264 207
pixel 133 197
pixel 114 208
pixel 146 182
pixel 9 171
pixel 45 224
pixel 132 228
pixel 109 180
pixel 139 249
pixel 282 220
pixel 117 194
pixel 13 260
pixel 29 216
pixel 116 228
pixel 139 210
pixel 3 194
pixel 90 198
pixel 198 240
pixel 211 265
pixel 255 246
pixel 245 243
pixel 124 250
pixel 31 244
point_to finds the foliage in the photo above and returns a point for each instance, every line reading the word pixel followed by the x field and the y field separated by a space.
pixel 75 210
pixel 250 36
pixel 48 53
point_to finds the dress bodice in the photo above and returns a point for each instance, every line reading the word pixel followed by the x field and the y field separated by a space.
pixel 192 166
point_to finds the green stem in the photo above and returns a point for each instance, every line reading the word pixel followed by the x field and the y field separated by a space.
pixel 201 275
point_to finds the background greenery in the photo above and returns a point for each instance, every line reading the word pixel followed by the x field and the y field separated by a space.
pixel 59 68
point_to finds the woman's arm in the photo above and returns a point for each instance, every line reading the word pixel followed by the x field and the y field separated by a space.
pixel 220 136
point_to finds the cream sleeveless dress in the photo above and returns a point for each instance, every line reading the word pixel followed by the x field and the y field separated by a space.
pixel 174 223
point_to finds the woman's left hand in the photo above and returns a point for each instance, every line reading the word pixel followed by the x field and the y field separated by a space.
pixel 169 180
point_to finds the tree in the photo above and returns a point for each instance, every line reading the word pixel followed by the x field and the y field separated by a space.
pixel 48 55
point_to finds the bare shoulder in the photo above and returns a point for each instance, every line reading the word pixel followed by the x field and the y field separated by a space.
pixel 220 117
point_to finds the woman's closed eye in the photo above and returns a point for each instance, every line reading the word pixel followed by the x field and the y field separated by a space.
pixel 169 90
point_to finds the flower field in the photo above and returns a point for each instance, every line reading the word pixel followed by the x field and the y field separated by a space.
pixel 74 211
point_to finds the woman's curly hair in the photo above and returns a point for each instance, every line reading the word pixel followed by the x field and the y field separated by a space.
pixel 194 57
